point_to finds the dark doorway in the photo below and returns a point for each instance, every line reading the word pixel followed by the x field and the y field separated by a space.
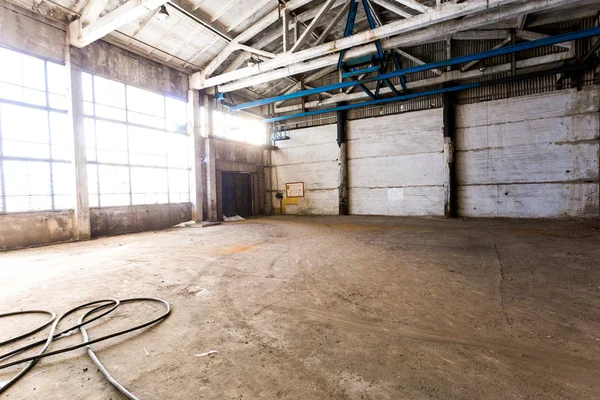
pixel 237 195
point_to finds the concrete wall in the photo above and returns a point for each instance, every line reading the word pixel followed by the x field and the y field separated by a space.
pixel 116 63
pixel 310 156
pixel 240 157
pixel 35 228
pixel 534 156
pixel 30 32
pixel 395 164
pixel 526 157
pixel 117 220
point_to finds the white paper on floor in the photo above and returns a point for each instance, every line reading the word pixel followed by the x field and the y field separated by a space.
pixel 230 219
pixel 208 353
pixel 184 224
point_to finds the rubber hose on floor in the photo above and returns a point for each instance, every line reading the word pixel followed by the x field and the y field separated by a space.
pixel 108 305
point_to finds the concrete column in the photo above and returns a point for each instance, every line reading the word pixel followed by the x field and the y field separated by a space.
pixel 268 205
pixel 255 194
pixel 449 156
pixel 210 161
pixel 342 163
pixel 218 198
pixel 81 226
pixel 196 152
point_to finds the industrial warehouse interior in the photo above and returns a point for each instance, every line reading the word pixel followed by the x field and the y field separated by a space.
pixel 299 199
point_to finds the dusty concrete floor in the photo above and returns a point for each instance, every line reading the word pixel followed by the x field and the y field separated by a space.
pixel 328 307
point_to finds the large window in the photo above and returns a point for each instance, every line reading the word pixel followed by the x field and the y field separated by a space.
pixel 35 135
pixel 137 145
pixel 239 127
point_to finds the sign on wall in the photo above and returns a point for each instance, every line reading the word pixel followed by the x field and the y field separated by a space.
pixel 294 189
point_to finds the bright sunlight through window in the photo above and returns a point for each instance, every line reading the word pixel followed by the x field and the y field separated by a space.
pixel 137 145
pixel 35 136
pixel 239 127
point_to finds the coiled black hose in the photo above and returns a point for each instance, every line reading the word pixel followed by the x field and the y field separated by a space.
pixel 108 306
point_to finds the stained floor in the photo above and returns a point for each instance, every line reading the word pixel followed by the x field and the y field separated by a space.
pixel 325 308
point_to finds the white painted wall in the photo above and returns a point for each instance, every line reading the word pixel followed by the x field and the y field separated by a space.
pixel 395 164
pixel 310 156
pixel 526 157
pixel 533 156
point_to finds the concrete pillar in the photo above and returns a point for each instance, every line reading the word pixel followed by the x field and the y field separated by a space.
pixel 81 226
pixel 342 163
pixel 268 205
pixel 210 161
pixel 449 156
pixel 196 152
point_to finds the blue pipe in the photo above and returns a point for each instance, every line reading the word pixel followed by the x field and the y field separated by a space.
pixel 359 71
pixel 374 102
pixel 444 63
pixel 569 69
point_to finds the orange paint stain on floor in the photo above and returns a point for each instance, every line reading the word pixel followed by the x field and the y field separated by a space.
pixel 236 249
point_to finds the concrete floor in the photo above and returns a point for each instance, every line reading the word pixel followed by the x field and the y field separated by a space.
pixel 328 307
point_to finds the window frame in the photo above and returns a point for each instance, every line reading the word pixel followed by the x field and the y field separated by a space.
pixel 126 123
pixel 50 161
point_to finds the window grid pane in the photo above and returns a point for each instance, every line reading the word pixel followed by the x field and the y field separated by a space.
pixel 35 137
pixel 136 145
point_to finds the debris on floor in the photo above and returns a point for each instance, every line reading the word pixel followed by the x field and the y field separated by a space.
pixel 208 353
pixel 233 219
pixel 207 224
pixel 185 224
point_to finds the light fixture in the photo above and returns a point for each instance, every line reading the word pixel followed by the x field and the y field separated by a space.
pixel 319 103
pixel 482 69
pixel 163 14
pixel 251 62
pixel 381 111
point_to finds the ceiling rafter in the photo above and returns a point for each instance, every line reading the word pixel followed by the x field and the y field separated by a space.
pixel 275 34
pixel 393 8
pixel 80 34
pixel 311 27
pixel 92 10
pixel 223 10
pixel 477 20
pixel 248 14
pixel 416 60
pixel 310 78
pixel 447 12
pixel 142 24
pixel 415 5
pixel 248 34
pixel 475 62
pixel 333 23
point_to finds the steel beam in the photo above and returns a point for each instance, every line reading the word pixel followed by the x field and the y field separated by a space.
pixel 574 68
pixel 409 39
pixel 333 23
pixel 80 36
pixel 543 62
pixel 475 62
pixel 415 5
pixel 416 60
pixel 359 72
pixel 248 34
pixel 313 24
pixel 438 64
pixel 448 11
